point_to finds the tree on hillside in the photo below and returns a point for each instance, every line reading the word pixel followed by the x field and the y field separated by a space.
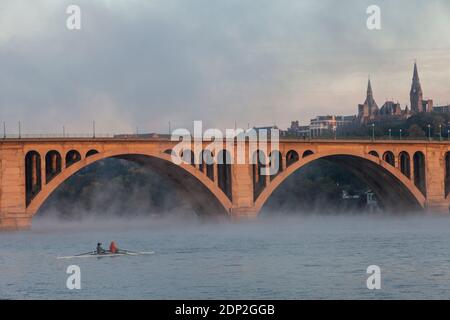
pixel 415 131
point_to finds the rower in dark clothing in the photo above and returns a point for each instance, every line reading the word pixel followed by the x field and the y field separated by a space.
pixel 100 250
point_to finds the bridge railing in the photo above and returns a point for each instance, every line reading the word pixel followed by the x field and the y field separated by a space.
pixel 167 137
pixel 56 135
pixel 366 138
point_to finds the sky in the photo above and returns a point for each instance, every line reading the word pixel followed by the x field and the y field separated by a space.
pixel 142 63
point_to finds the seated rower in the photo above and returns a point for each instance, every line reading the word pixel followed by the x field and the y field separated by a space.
pixel 113 248
pixel 100 250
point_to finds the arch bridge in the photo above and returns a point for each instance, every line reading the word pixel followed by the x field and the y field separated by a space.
pixel 404 175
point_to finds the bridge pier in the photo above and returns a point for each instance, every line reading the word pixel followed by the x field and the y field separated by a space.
pixel 242 190
pixel 13 215
pixel 435 180
pixel 243 214
pixel 10 222
pixel 437 205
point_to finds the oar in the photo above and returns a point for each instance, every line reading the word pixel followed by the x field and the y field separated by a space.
pixel 81 254
pixel 137 252
pixel 124 250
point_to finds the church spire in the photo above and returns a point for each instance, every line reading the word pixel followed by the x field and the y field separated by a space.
pixel 416 73
pixel 369 109
pixel 416 94
pixel 370 101
pixel 369 90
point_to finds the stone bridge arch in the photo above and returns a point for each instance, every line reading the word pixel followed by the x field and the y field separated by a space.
pixel 204 195
pixel 392 187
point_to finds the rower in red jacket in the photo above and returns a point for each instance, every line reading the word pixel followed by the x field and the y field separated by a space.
pixel 113 248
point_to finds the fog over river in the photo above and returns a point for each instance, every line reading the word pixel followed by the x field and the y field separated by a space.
pixel 279 257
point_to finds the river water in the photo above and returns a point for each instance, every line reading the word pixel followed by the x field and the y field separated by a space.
pixel 273 258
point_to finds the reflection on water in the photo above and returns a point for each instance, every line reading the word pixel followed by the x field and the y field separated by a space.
pixel 294 258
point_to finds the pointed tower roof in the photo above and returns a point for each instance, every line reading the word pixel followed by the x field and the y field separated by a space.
pixel 370 101
pixel 369 89
pixel 415 86
pixel 416 73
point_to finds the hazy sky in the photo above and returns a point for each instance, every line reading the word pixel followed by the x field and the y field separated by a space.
pixel 145 62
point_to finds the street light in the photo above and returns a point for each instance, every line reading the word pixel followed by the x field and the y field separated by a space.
pixel 429 131
pixel 390 134
pixel 373 131
pixel 400 134
pixel 440 132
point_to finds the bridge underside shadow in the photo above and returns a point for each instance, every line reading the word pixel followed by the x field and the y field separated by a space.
pixel 184 184
pixel 391 193
pixel 202 200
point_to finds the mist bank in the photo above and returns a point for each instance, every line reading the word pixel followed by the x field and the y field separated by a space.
pixel 115 188
pixel 265 224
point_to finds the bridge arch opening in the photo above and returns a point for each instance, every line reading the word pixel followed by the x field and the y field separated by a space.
pixel 207 163
pixel 73 156
pixel 224 163
pixel 169 152
pixel 405 163
pixel 275 163
pixel 91 152
pixel 52 165
pixel 374 153
pixel 389 157
pixel 177 180
pixel 307 153
pixel 33 179
pixel 259 179
pixel 291 157
pixel 315 190
pixel 447 173
pixel 187 156
pixel 419 172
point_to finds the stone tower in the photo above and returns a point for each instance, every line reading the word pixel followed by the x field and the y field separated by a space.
pixel 369 109
pixel 416 94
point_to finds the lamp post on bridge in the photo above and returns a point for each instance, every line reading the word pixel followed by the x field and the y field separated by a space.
pixel 373 131
pixel 400 134
pixel 4 130
pixel 390 136
pixel 440 132
pixel 20 130
pixel 93 129
pixel 429 132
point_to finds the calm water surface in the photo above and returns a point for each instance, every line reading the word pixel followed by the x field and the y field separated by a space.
pixel 276 258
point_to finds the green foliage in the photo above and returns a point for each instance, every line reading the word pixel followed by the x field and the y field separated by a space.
pixel 318 187
pixel 115 187
pixel 415 131
pixel 415 126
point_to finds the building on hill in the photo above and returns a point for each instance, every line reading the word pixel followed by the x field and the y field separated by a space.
pixel 329 125
pixel 320 126
pixel 418 104
pixel 369 109
pixel 442 109
pixel 391 108
pixel 296 130
pixel 392 111
pixel 369 112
